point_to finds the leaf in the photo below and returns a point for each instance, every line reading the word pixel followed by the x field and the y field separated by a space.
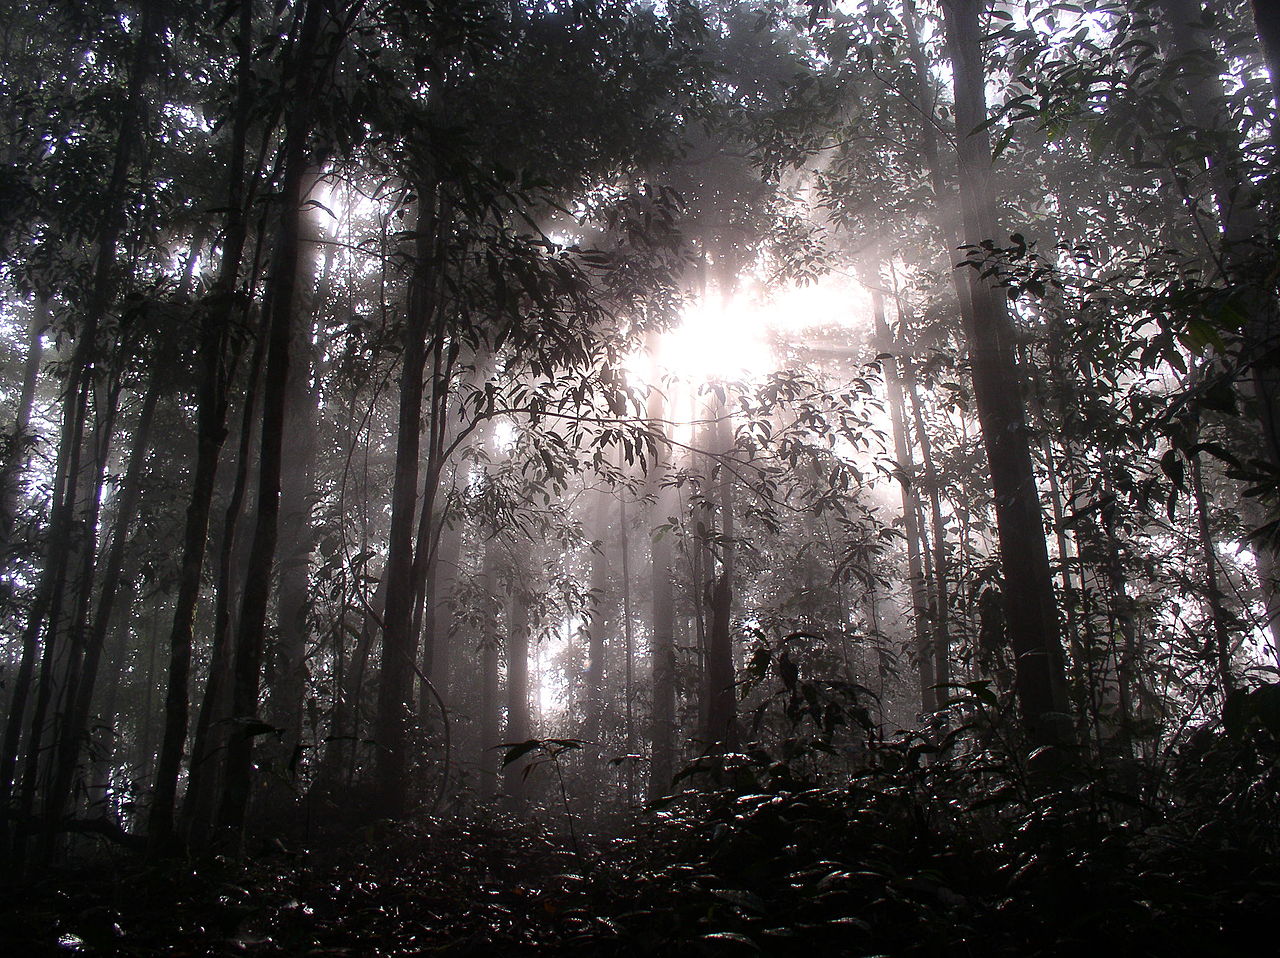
pixel 1171 465
pixel 742 899
pixel 732 936
pixel 517 750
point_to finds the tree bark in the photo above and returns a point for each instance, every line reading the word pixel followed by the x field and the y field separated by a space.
pixel 929 700
pixel 399 644
pixel 941 601
pixel 518 730
pixel 76 729
pixel 61 541
pixel 215 323
pixel 284 281
pixel 722 720
pixel 598 621
pixel 15 453
pixel 663 650
pixel 1031 615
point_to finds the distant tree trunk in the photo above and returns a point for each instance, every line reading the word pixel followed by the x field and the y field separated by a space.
pixel 490 707
pixel 598 620
pixel 15 453
pixel 722 720
pixel 929 700
pixel 1030 612
pixel 518 729
pixel 628 648
pixel 1220 641
pixel 437 646
pixel 80 694
pixel 663 650
pixel 941 599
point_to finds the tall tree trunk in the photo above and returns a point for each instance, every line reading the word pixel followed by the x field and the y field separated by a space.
pixel 1031 615
pixel 15 453
pixel 663 649
pixel 215 323
pixel 929 700
pixel 288 669
pixel 208 747
pixel 61 669
pixel 598 623
pixel 76 730
pixel 722 720
pixel 75 408
pixel 517 686
pixel 399 643
pixel 628 649
pixel 941 601
pixel 490 707
pixel 284 281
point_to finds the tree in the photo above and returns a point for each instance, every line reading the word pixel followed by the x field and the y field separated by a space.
pixel 1030 611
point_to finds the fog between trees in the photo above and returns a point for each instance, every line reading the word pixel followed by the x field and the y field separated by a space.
pixel 426 409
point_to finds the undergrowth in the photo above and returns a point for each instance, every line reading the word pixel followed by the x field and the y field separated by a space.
pixel 942 843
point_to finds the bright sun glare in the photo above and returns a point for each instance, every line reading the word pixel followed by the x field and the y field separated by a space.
pixel 733 336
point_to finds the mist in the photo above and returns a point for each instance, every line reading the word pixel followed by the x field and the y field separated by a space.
pixel 638 478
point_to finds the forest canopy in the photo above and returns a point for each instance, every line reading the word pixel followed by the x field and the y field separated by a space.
pixel 620 414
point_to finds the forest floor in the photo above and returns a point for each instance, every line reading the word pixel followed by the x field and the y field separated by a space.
pixel 800 873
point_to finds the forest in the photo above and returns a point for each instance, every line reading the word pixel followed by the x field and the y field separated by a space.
pixel 639 477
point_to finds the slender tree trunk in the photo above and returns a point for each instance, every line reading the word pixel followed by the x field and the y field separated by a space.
pixel 598 621
pixel 76 730
pixel 941 600
pixel 1031 615
pixel 628 649
pixel 929 700
pixel 1220 642
pixel 437 646
pixel 663 650
pixel 517 688
pixel 75 409
pixel 399 644
pixel 253 612
pixel 15 454
pixel 60 675
pixel 215 323
pixel 288 669
pixel 208 747
pixel 490 707
pixel 722 721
